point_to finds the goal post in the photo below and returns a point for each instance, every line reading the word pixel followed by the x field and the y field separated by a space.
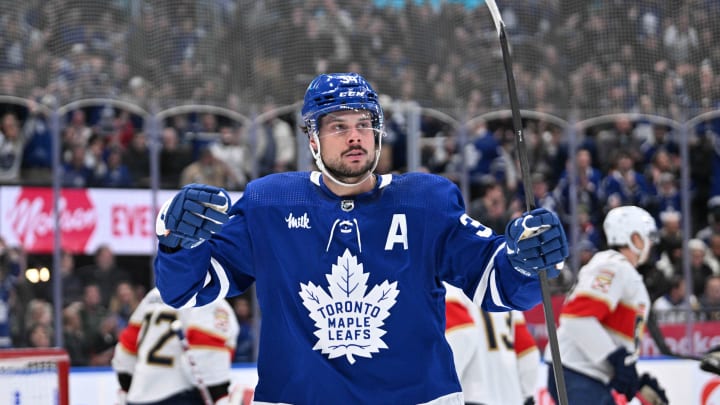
pixel 34 376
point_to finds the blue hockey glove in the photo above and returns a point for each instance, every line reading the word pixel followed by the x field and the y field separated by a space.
pixel 625 381
pixel 191 217
pixel 651 391
pixel 536 241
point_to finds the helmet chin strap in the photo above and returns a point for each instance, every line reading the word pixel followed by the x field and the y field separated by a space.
pixel 321 165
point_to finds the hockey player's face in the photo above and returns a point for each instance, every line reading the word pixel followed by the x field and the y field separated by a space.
pixel 347 140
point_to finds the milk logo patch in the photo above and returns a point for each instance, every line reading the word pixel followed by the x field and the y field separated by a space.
pixel 294 222
pixel 349 321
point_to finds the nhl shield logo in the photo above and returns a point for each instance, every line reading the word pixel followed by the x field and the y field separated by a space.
pixel 347 205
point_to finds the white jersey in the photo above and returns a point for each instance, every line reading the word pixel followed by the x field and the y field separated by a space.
pixel 607 309
pixel 151 352
pixel 495 356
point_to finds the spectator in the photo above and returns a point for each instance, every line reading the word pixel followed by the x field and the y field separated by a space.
pixel 208 131
pixel 491 206
pixel 714 252
pixel 621 137
pixel 37 155
pixel 232 150
pixel 587 229
pixel 104 273
pixel 117 173
pixel 75 172
pixel 123 303
pixel 667 196
pixel 174 157
pixel 710 299
pixel 92 311
pixel 674 306
pixel 276 143
pixel 101 343
pixel 623 185
pixel 99 327
pixel 680 40
pixel 245 347
pixel 38 313
pixel 659 140
pixel 483 150
pixel 137 160
pixel 72 284
pixel 12 144
pixel 95 158
pixel 208 170
pixel 77 132
pixel 713 220
pixel 670 246
pixel 40 335
pixel 541 192
pixel 10 264
pixel 74 335
pixel 700 270
pixel 588 180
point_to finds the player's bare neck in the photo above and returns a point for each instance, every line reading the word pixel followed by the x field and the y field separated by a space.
pixel 345 191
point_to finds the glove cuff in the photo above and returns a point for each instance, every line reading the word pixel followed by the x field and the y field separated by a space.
pixel 617 357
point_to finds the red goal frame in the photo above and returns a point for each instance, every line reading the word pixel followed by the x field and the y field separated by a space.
pixel 56 355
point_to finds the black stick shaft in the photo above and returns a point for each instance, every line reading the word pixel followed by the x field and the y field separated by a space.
pixel 530 204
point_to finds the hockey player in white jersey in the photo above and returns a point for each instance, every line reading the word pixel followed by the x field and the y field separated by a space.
pixel 602 320
pixel 152 366
pixel 348 265
pixel 495 355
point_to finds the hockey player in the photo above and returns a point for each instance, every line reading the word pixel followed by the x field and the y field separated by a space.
pixel 602 320
pixel 153 367
pixel 495 355
pixel 348 264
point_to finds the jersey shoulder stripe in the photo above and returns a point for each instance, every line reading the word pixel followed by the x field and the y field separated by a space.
pixel 524 342
pixel 457 316
pixel 622 320
pixel 586 305
pixel 129 338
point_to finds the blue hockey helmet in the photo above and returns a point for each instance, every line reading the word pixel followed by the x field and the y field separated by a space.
pixel 339 91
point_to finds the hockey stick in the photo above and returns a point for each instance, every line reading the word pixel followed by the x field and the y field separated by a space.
pixel 529 199
pixel 709 362
pixel 176 327
pixel 659 339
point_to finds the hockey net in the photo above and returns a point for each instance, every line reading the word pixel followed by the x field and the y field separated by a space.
pixel 34 376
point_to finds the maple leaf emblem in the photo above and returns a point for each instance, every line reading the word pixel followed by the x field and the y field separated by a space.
pixel 348 321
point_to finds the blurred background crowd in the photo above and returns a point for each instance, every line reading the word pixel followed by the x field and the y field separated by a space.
pixel 136 94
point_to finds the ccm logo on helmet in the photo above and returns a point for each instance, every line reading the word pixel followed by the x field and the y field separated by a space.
pixel 352 93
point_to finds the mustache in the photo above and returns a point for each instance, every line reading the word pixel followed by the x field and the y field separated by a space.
pixel 354 148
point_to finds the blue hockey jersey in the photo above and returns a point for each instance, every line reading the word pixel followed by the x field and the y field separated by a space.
pixel 350 288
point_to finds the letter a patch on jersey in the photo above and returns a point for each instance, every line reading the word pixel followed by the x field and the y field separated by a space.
pixel 349 322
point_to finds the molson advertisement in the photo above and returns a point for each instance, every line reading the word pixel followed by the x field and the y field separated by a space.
pixel 123 218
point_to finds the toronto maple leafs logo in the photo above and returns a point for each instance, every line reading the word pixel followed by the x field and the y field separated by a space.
pixel 348 321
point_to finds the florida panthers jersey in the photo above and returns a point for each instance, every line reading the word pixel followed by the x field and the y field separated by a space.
pixel 605 310
pixel 151 352
pixel 350 288
pixel 495 355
